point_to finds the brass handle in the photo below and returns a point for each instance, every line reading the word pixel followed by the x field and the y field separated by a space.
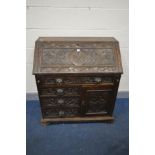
pixel 97 79
pixel 60 91
pixel 59 80
pixel 61 113
pixel 117 80
pixel 38 81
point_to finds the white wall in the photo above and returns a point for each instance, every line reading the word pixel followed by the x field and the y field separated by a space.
pixel 77 18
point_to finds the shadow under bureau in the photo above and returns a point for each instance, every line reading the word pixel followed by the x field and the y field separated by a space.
pixel 77 78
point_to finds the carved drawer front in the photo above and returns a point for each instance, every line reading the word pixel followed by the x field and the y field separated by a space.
pixel 47 80
pixel 60 91
pixel 60 112
pixel 98 101
pixel 60 102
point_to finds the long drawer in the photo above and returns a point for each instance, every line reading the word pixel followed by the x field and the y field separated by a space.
pixel 69 80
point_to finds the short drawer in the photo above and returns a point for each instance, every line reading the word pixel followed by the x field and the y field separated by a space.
pixel 49 80
pixel 60 112
pixel 59 91
pixel 60 101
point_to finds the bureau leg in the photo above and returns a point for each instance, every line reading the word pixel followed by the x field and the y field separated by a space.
pixel 110 121
pixel 44 123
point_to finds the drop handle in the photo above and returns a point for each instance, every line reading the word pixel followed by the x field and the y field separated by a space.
pixel 59 80
pixel 61 113
pixel 117 80
pixel 38 81
pixel 59 91
pixel 97 79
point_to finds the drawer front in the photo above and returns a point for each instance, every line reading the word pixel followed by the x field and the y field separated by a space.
pixel 59 91
pixel 60 112
pixel 61 102
pixel 49 80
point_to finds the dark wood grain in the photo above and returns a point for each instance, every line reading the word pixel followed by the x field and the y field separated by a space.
pixel 77 78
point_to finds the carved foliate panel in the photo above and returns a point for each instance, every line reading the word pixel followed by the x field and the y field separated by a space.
pixel 60 112
pixel 98 101
pixel 71 112
pixel 80 69
pixel 54 112
pixel 61 101
pixel 77 57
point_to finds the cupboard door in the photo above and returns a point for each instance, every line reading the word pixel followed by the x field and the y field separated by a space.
pixel 98 101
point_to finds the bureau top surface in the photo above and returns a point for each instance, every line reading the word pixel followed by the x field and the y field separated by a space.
pixel 81 39
pixel 77 55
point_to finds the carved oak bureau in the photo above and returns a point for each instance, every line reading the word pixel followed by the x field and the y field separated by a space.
pixel 77 78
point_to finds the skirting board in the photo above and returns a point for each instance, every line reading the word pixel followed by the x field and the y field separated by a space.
pixel 34 95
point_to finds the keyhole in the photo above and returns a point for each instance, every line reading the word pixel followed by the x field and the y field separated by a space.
pixel 78 50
